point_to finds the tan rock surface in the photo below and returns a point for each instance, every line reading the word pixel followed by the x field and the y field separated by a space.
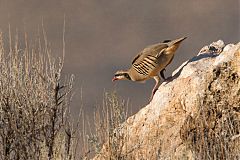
pixel 195 115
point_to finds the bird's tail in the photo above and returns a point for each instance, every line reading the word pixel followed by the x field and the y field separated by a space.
pixel 176 41
pixel 173 45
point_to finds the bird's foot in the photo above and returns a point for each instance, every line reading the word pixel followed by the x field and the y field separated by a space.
pixel 153 93
pixel 168 79
pixel 150 99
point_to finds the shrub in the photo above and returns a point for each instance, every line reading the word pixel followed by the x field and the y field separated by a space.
pixel 35 100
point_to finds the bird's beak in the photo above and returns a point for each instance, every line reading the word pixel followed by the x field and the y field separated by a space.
pixel 114 79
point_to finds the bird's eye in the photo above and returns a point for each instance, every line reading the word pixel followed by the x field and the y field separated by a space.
pixel 127 76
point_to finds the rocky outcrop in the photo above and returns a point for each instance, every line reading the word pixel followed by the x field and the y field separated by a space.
pixel 193 115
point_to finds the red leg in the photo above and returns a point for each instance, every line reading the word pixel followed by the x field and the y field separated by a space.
pixel 155 88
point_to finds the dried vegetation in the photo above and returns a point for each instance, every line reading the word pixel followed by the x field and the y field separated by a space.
pixel 36 121
pixel 214 132
pixel 35 100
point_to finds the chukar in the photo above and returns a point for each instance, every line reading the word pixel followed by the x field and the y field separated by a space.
pixel 149 62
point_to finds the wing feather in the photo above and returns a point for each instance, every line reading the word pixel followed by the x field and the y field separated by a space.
pixel 146 61
pixel 136 57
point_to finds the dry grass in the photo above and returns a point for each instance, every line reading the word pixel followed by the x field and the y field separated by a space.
pixel 108 129
pixel 36 121
pixel 35 100
pixel 214 133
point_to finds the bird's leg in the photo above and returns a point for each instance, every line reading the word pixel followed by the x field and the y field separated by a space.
pixel 162 74
pixel 155 88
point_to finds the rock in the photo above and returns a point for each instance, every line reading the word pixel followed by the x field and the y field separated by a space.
pixel 194 115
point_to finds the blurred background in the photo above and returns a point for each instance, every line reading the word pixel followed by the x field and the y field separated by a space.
pixel 103 36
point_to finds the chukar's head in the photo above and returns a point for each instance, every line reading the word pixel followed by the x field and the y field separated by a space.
pixel 121 75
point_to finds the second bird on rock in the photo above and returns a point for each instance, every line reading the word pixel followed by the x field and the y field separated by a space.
pixel 149 62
